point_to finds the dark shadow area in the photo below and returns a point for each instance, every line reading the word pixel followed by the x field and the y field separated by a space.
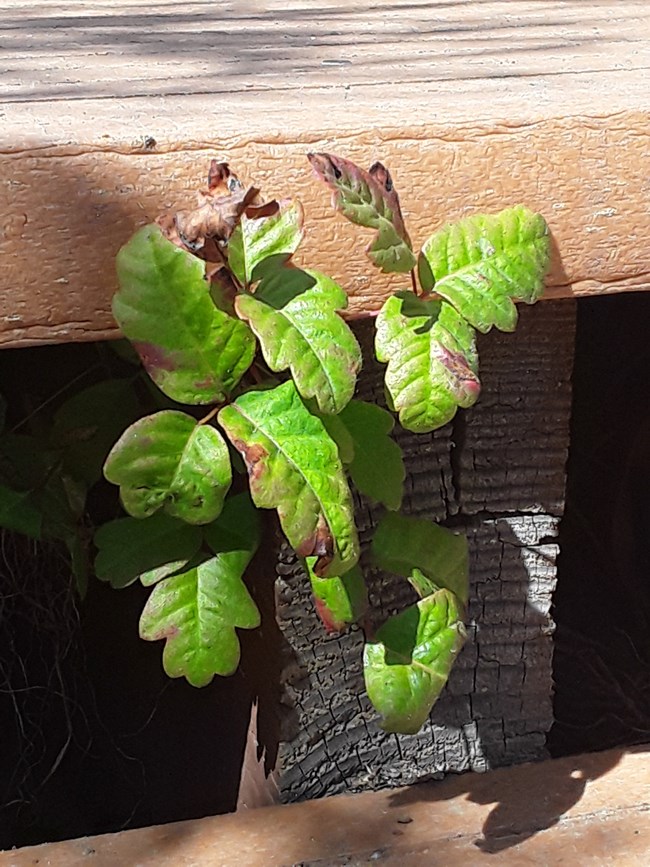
pixel 602 603
pixel 527 800
pixel 95 737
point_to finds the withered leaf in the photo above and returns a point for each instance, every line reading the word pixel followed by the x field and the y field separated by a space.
pixel 368 198
pixel 206 229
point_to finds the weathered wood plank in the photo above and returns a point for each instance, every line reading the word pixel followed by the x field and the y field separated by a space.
pixel 111 111
pixel 497 707
pixel 591 809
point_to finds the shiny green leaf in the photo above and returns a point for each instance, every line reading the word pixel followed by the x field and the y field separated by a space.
pixel 168 461
pixel 407 664
pixel 149 549
pixel 294 467
pixel 267 241
pixel 432 360
pixel 484 263
pixel 307 336
pixel 402 543
pixel 377 465
pixel 339 600
pixel 194 352
pixel 198 611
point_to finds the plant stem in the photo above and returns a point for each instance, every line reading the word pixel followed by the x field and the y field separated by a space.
pixel 210 415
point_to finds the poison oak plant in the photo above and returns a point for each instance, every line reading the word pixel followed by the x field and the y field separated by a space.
pixel 257 364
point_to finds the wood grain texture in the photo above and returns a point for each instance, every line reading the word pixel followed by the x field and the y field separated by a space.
pixel 111 111
pixel 583 810
pixel 496 473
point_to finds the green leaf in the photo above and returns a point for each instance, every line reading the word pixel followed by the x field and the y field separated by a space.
pixel 422 585
pixel 483 263
pixel 19 513
pixel 408 663
pixel 87 425
pixel 294 467
pixel 341 436
pixel 338 600
pixel 282 285
pixel 197 611
pixel 168 460
pixel 273 238
pixel 194 352
pixel 149 549
pixel 369 199
pixel 432 361
pixel 402 543
pixel 377 466
pixel 307 336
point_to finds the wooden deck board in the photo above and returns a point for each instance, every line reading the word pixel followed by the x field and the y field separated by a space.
pixel 110 112
pixel 585 810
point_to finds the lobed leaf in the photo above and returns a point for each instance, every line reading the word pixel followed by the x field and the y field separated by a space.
pixel 263 242
pixel 407 664
pixel 432 361
pixel 403 543
pixel 294 467
pixel 194 352
pixel 197 612
pixel 340 434
pixel 484 263
pixel 279 286
pixel 340 600
pixel 377 464
pixel 307 336
pixel 168 461
pixel 368 198
pixel 149 549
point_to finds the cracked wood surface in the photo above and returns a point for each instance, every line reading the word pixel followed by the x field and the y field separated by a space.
pixel 112 110
pixel 497 473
